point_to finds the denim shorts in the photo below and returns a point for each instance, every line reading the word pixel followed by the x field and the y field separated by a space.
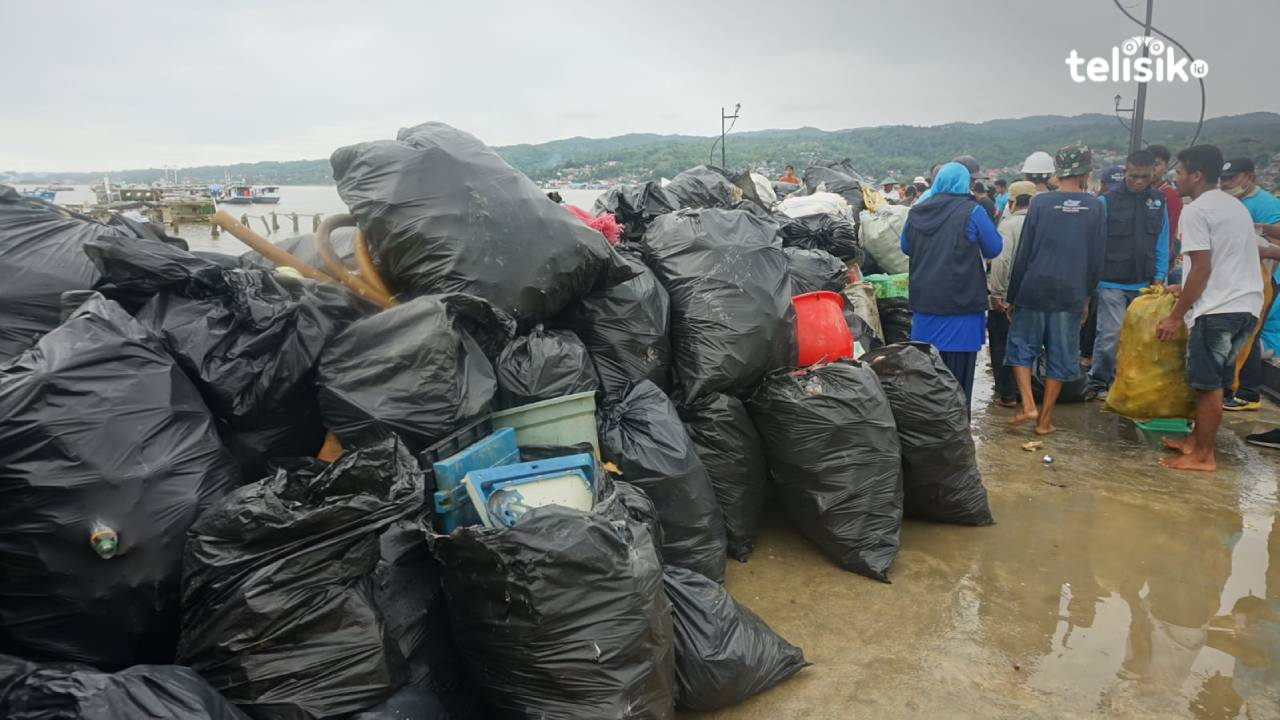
pixel 1057 334
pixel 1213 345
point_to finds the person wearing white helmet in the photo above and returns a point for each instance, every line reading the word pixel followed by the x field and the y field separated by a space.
pixel 1038 168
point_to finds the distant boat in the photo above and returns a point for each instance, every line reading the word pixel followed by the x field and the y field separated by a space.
pixel 266 194
pixel 46 194
pixel 61 188
pixel 237 195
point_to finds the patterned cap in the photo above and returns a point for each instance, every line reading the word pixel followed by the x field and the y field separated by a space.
pixel 1074 159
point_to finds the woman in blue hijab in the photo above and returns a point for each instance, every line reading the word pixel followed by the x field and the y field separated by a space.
pixel 947 236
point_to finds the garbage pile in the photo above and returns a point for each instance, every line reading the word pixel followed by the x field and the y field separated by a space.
pixel 507 486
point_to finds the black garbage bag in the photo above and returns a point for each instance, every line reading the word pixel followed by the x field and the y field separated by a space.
pixel 634 206
pixel 1072 392
pixel 730 450
pixel 443 213
pixel 783 189
pixel 563 615
pixel 724 652
pixel 895 319
pixel 731 316
pixel 625 328
pixel 543 365
pixel 133 272
pixel 814 270
pixel 109 455
pixel 703 186
pixel 40 258
pixel 834 454
pixel 409 703
pixel 252 350
pixel 940 478
pixel 837 177
pixel 407 590
pixel 67 691
pixel 643 435
pixel 420 370
pixel 821 232
pixel 279 608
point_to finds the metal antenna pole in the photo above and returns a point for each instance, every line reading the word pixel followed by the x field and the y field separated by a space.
pixel 722 119
pixel 1140 107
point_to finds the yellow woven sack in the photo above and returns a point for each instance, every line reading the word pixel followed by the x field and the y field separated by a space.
pixel 1151 376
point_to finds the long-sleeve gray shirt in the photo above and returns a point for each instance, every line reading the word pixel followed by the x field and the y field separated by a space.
pixel 1010 230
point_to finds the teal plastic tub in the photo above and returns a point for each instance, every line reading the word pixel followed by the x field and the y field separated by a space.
pixel 1156 428
pixel 567 420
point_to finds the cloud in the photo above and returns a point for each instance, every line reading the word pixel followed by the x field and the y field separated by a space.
pixel 151 82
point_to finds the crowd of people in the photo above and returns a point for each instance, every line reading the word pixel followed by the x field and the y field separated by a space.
pixel 1044 268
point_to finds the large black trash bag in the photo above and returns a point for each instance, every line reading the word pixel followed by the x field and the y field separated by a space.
pixel 731 315
pixel 1071 392
pixel 407 590
pixel 420 370
pixel 821 232
pixel 253 351
pixel 543 365
pixel 40 258
pixel 409 703
pixel 99 429
pixel 445 214
pixel 834 454
pixel 67 691
pixel 132 272
pixel 724 652
pixel 814 270
pixel 249 339
pixel 625 328
pixel 730 450
pixel 704 186
pixel 563 615
pixel 895 319
pixel 635 206
pixel 643 435
pixel 279 608
pixel 837 177
pixel 940 478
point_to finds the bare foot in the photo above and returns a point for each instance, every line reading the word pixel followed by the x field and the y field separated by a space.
pixel 1024 416
pixel 1186 445
pixel 1046 430
pixel 1189 462
pixel 1007 403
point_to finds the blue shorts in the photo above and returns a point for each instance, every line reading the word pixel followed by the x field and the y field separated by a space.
pixel 1056 334
pixel 1213 345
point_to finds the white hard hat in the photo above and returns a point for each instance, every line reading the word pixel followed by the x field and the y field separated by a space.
pixel 1038 163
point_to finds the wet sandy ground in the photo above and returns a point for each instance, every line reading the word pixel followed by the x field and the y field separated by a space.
pixel 1109 587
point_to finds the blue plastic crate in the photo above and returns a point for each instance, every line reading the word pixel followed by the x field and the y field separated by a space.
pixel 500 490
pixel 453 507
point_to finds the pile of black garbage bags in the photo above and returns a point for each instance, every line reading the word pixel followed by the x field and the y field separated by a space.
pixel 173 545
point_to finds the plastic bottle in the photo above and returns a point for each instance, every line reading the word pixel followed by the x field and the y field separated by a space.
pixel 104 540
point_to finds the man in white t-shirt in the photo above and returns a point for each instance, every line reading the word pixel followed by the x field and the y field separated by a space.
pixel 1220 297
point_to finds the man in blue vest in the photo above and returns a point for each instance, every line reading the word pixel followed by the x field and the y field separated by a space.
pixel 1137 256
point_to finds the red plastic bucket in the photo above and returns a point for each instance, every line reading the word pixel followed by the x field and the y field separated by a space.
pixel 822 335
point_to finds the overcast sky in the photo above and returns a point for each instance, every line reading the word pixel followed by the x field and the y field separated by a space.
pixel 145 83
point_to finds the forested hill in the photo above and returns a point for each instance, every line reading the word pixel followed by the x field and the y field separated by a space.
pixel 898 149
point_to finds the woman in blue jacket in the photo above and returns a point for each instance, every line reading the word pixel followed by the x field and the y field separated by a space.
pixel 947 237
